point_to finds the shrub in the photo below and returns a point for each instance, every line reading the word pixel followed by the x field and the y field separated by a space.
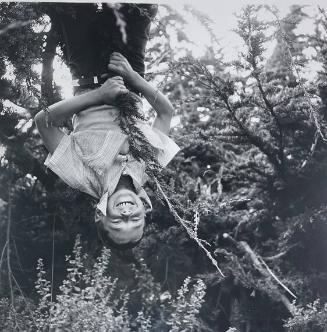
pixel 310 318
pixel 89 300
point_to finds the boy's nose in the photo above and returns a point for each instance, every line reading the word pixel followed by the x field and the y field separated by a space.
pixel 126 212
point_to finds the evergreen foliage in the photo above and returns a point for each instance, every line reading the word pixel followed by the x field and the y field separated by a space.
pixel 250 180
pixel 140 148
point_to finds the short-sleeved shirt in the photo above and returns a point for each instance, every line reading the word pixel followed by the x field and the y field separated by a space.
pixel 89 158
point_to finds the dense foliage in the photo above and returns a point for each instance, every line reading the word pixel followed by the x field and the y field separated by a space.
pixel 89 300
pixel 250 180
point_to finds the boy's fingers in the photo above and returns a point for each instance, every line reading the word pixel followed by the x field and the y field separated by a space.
pixel 114 67
pixel 117 85
pixel 117 54
pixel 117 78
pixel 116 57
pixel 115 63
pixel 118 81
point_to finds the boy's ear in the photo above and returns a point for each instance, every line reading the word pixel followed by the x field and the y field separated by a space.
pixel 97 215
pixel 147 208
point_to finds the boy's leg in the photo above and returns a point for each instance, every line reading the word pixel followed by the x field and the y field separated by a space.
pixel 88 35
pixel 138 30
pixel 75 27
pixel 138 19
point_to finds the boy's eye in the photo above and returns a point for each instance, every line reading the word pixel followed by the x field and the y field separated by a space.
pixel 135 219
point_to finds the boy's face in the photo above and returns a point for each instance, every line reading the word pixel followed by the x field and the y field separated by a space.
pixel 125 217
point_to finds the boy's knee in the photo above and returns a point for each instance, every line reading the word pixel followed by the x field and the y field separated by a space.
pixel 39 119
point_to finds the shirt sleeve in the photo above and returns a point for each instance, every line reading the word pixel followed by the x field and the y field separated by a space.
pixel 66 163
pixel 168 148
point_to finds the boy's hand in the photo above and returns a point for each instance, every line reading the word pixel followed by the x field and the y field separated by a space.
pixel 110 89
pixel 119 64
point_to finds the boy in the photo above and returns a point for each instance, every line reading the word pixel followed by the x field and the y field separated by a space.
pixel 95 157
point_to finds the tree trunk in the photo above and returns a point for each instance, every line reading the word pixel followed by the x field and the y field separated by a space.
pixel 47 90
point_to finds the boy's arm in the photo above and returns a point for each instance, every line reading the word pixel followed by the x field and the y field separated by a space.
pixel 159 102
pixel 48 121
pixel 156 99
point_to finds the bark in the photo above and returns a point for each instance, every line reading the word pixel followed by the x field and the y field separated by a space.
pixel 264 270
pixel 47 90
pixel 27 164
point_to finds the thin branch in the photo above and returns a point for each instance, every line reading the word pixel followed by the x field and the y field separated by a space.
pixel 157 61
pixel 264 270
pixel 14 25
pixel 186 225
pixel 254 139
pixel 27 305
pixel 3 253
pixel 312 150
pixel 277 256
pixel 275 277
pixel 271 110
pixel 17 255
pixel 53 256
pixel 281 254
pixel 237 228
pixel 9 271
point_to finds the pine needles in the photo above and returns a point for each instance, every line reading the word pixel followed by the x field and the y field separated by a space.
pixel 139 147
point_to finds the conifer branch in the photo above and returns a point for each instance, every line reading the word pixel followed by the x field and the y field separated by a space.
pixel 140 148
pixel 223 89
pixel 270 108
pixel 186 225
pixel 252 60
pixel 254 139
pixel 264 270
pixel 313 112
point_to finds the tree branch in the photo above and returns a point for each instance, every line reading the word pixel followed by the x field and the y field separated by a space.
pixel 14 25
pixel 47 92
pixel 271 110
pixel 255 140
pixel 264 270
pixel 27 163
pixel 9 271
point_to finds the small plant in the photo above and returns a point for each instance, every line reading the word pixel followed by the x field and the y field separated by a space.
pixel 310 318
pixel 85 302
pixel 187 306
pixel 90 301
pixel 232 329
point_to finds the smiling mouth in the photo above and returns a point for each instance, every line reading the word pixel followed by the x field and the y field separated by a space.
pixel 126 203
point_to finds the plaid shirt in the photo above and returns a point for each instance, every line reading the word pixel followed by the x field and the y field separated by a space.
pixel 88 159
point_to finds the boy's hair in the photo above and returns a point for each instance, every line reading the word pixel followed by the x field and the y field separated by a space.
pixel 109 242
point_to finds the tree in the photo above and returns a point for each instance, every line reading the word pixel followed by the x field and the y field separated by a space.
pixel 251 172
